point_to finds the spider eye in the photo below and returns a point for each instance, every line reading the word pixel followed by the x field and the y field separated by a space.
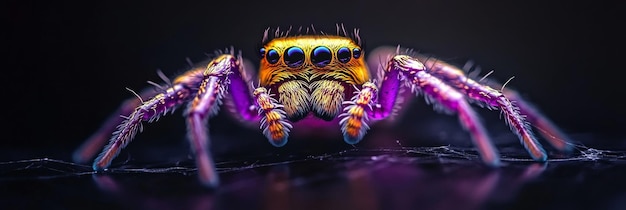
pixel 343 54
pixel 356 52
pixel 321 56
pixel 262 52
pixel 272 56
pixel 294 56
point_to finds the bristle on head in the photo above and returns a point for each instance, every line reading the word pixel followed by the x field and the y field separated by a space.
pixel 270 33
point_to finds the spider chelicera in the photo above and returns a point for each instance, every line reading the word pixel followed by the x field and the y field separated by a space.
pixel 319 77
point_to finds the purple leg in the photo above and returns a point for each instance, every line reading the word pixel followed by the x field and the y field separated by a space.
pixel 515 109
pixel 90 148
pixel 515 115
pixel 96 141
pixel 489 97
pixel 544 126
pixel 149 111
pixel 204 89
pixel 223 73
pixel 403 69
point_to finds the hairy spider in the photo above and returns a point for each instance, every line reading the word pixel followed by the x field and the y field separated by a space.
pixel 313 77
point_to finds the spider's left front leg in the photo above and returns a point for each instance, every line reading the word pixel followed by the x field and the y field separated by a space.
pixel 481 91
pixel 451 90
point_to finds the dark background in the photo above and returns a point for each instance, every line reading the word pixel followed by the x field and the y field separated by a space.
pixel 69 63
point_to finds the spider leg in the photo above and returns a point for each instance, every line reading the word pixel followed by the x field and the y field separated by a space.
pixel 273 123
pixel 489 97
pixel 508 101
pixel 90 148
pixel 150 110
pixel 544 125
pixel 223 73
pixel 204 88
pixel 355 116
pixel 403 69
pixel 94 143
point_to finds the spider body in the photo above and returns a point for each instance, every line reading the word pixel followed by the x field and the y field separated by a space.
pixel 321 77
pixel 311 74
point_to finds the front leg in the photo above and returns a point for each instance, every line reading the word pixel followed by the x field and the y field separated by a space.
pixel 445 98
pixel 223 74
pixel 456 77
pixel 371 102
pixel 505 100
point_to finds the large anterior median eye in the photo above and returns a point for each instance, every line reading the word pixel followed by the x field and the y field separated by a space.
pixel 321 56
pixel 294 56
pixel 272 56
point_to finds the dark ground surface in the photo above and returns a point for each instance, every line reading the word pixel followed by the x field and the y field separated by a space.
pixel 69 64
pixel 392 178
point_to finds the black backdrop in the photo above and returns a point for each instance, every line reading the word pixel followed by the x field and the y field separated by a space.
pixel 70 61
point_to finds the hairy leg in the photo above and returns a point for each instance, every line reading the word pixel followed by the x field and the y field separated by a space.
pixel 150 110
pixel 223 75
pixel 516 109
pixel 444 97
pixel 356 113
pixel 552 133
pixel 477 91
pixel 543 124
pixel 94 143
pixel 203 88
pixel 482 94
pixel 90 148
pixel 273 122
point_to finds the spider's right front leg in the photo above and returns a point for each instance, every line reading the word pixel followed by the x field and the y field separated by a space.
pixel 223 74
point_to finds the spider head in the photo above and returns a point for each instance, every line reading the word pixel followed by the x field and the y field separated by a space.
pixel 312 73
pixel 312 57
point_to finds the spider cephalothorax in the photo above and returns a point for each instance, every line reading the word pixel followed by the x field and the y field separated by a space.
pixel 311 74
pixel 324 77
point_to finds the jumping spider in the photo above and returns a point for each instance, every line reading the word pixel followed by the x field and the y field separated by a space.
pixel 319 77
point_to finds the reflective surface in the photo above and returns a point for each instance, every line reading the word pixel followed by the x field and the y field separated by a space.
pixel 394 178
